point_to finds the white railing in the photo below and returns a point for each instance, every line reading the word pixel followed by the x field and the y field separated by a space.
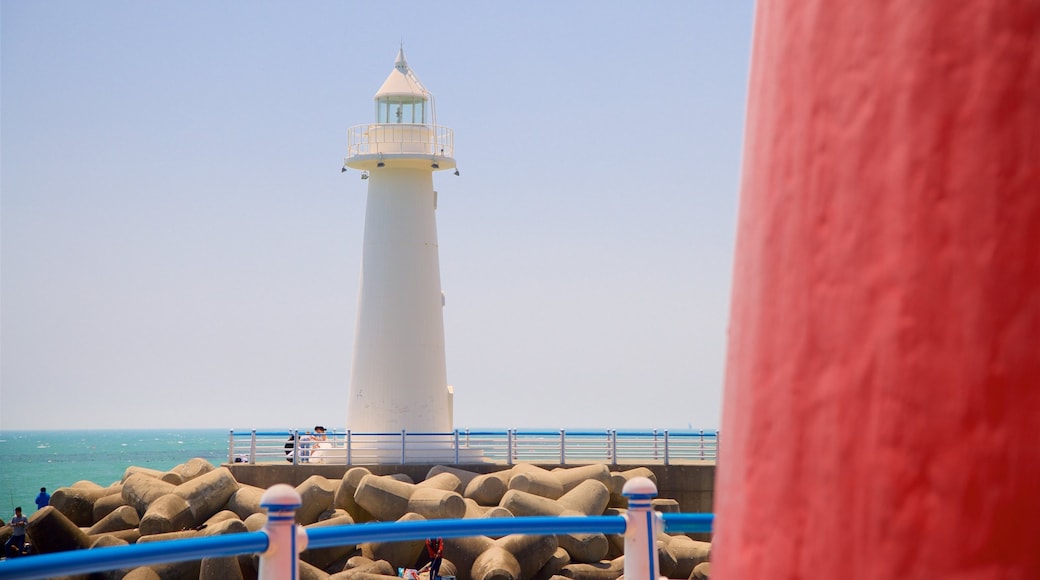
pixel 400 139
pixel 563 447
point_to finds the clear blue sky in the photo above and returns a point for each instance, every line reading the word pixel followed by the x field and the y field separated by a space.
pixel 179 247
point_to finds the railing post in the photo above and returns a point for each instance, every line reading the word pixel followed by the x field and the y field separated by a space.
pixel 231 446
pixel 613 446
pixel 563 447
pixel 403 435
pixel 296 447
pixel 655 443
pixel 252 448
pixel 641 529
pixel 509 446
pixel 456 447
pixel 666 446
pixel 702 444
pixel 348 447
pixel 280 561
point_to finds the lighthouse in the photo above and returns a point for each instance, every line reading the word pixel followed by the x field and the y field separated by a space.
pixel 398 378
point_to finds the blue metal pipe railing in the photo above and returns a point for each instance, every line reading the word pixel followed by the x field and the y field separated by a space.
pixel 115 557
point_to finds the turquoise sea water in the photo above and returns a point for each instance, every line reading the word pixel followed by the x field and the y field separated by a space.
pixel 52 459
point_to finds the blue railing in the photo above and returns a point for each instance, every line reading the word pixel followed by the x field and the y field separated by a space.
pixel 86 561
pixel 563 447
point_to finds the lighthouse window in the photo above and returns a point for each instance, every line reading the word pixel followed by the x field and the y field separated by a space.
pixel 382 115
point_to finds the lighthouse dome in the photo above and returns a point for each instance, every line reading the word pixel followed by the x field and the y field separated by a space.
pixel 402 98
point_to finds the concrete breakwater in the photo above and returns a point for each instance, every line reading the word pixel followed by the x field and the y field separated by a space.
pixel 198 499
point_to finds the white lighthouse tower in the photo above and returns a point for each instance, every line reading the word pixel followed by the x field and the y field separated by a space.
pixel 398 379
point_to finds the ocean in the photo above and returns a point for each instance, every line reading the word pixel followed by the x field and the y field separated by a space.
pixel 30 460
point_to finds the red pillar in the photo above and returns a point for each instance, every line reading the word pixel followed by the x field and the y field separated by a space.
pixel 882 408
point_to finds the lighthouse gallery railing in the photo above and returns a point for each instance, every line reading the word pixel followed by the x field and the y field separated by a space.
pixel 400 139
pixel 663 447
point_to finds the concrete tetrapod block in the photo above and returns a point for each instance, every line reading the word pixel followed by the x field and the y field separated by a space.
pixel 256 522
pixel 464 476
pixel 245 501
pixel 142 573
pixel 220 516
pixel 169 513
pixel 123 517
pixel 443 481
pixel 207 493
pixel 191 569
pixel 317 493
pixel 486 489
pixel 351 574
pixel 129 536
pixel 559 559
pixel 496 563
pixel 608 570
pixel 344 498
pixel 535 480
pixel 363 564
pixel 532 552
pixel 333 513
pixel 308 572
pixel 522 503
pixel 140 489
pixel 106 541
pixel 109 503
pixel 225 568
pixel 474 510
pixel 322 557
pixel 583 547
pixel 664 505
pixel 172 477
pixel 571 477
pixel 134 469
pixel 688 553
pixel 52 532
pixel 401 554
pixel 194 468
pixel 666 561
pixel 590 497
pixel 465 551
pixel 436 504
pixel 384 497
pixel 77 502
pixel 701 571
pixel 618 479
pixel 87 485
pixel 586 547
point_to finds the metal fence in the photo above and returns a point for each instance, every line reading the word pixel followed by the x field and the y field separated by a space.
pixel 563 447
